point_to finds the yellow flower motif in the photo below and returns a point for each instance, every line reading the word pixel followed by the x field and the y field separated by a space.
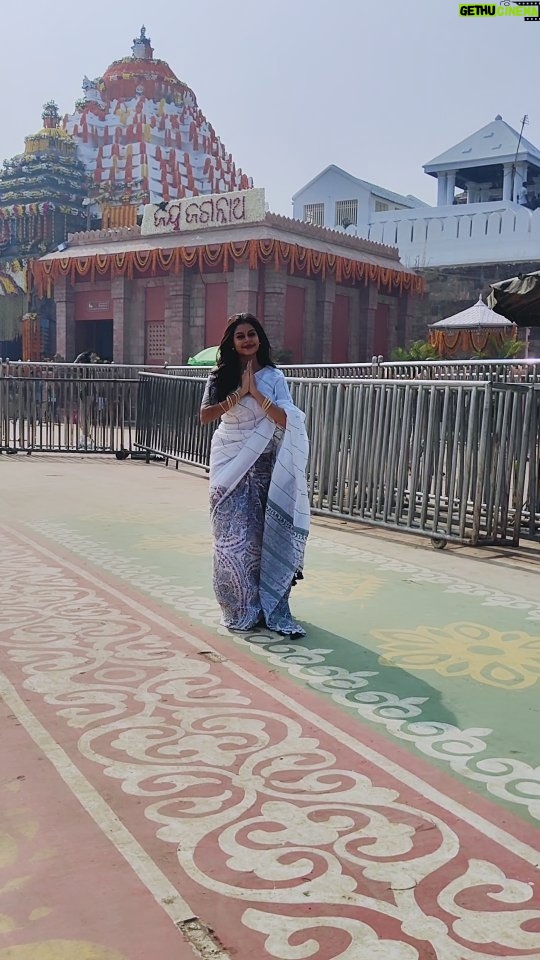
pixel 329 585
pixel 195 546
pixel 508 660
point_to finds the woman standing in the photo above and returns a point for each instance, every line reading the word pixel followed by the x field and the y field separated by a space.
pixel 258 489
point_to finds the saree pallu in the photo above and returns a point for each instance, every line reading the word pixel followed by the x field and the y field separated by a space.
pixel 260 514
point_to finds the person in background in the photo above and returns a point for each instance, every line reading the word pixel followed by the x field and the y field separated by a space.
pixel 523 195
pixel 258 489
pixel 87 356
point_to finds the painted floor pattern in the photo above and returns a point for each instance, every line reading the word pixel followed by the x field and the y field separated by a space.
pixel 477 666
pixel 59 872
pixel 359 794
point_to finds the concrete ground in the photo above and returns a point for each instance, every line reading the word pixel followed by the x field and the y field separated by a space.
pixel 171 790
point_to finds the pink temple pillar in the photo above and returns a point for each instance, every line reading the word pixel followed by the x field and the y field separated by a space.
pixel 65 319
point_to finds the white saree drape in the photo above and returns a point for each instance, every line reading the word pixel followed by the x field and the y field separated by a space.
pixel 243 435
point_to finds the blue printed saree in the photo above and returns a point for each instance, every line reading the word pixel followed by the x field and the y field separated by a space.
pixel 260 509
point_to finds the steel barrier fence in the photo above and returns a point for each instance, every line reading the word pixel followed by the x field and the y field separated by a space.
pixel 69 407
pixel 496 371
pixel 451 460
pixel 61 415
pixel 168 419
pixel 49 370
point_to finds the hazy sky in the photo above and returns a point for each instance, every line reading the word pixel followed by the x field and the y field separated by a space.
pixel 378 87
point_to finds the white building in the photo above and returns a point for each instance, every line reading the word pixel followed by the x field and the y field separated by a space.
pixel 337 200
pixel 495 169
pixel 491 164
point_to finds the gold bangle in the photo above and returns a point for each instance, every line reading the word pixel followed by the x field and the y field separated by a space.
pixel 232 399
pixel 222 407
pixel 266 404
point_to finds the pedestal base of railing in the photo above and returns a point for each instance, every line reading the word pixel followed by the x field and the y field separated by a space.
pixel 438 543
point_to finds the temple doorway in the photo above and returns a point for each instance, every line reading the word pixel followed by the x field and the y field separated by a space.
pixel 96 336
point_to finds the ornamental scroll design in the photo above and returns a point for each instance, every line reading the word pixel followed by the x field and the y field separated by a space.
pixel 466 751
pixel 317 854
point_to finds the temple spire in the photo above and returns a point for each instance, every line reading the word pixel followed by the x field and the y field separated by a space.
pixel 142 48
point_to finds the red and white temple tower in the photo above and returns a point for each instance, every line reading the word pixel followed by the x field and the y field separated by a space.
pixel 143 139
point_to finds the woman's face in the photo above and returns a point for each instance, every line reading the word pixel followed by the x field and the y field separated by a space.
pixel 246 340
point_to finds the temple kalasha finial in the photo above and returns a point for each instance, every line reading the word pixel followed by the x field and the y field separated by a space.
pixel 142 48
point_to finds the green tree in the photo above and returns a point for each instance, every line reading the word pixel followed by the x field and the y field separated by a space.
pixel 417 350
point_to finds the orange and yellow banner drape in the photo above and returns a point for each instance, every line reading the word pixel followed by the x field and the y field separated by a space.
pixel 452 344
pixel 148 262
pixel 31 337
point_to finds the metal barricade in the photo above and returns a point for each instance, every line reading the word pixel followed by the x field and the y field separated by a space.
pixel 452 461
pixel 76 371
pixel 168 421
pixel 59 415
pixel 496 371
pixel 330 371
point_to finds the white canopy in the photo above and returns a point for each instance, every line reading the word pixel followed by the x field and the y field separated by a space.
pixel 477 316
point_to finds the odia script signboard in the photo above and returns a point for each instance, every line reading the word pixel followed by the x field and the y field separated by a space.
pixel 205 211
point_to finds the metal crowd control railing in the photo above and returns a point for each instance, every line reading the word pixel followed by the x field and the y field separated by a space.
pixel 496 371
pixel 168 419
pixel 451 460
pixel 68 407
pixel 456 461
pixel 47 370
pixel 62 415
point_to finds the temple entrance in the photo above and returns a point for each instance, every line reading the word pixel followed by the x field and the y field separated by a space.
pixel 94 335
pixel 381 335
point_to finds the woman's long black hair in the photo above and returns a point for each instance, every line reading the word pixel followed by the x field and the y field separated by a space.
pixel 228 373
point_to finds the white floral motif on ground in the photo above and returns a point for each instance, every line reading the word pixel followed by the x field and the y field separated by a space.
pixel 514 781
pixel 256 801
